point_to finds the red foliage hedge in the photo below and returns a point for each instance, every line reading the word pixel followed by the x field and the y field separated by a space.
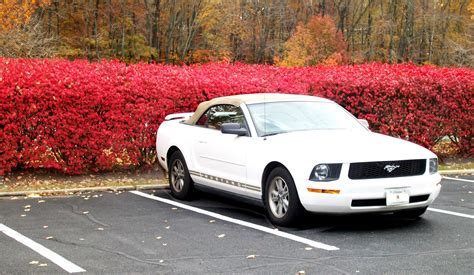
pixel 78 116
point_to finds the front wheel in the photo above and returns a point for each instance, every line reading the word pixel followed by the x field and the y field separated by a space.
pixel 281 198
pixel 181 184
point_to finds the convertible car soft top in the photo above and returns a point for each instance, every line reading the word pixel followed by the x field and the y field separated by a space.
pixel 237 100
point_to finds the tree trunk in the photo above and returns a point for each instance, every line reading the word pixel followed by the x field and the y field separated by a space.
pixel 393 10
pixel 169 31
pixel 155 42
pixel 95 33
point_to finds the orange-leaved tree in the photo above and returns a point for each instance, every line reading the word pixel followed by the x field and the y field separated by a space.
pixel 314 43
pixel 14 13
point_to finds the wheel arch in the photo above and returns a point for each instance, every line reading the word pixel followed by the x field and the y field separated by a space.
pixel 171 151
pixel 266 172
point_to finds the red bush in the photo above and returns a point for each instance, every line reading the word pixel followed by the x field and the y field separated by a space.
pixel 78 116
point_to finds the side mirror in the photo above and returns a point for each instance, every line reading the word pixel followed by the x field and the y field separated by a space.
pixel 364 122
pixel 234 129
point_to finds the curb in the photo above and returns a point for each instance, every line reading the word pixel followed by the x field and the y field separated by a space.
pixel 85 189
pixel 455 172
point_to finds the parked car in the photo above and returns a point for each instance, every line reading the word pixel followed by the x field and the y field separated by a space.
pixel 295 153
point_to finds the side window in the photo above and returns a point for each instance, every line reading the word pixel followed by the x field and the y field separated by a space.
pixel 215 116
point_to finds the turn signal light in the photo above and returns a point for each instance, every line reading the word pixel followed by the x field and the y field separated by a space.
pixel 324 191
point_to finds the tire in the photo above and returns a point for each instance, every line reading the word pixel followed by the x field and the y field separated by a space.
pixel 281 198
pixel 181 184
pixel 411 213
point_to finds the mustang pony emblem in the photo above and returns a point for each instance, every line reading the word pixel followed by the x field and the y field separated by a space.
pixel 390 168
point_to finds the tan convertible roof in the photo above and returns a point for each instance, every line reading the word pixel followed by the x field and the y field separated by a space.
pixel 237 100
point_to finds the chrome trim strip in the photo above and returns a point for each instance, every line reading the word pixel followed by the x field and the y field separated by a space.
pixel 225 181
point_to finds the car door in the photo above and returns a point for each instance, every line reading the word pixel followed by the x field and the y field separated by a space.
pixel 221 159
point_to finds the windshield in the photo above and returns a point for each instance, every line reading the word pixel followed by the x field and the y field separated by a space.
pixel 282 117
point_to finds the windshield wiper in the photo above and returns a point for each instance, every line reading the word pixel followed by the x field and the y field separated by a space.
pixel 273 134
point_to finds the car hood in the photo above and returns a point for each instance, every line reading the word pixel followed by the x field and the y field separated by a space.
pixel 344 146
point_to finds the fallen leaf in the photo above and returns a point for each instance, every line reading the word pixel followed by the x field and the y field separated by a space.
pixel 85 212
pixel 301 272
pixel 34 195
pixel 100 229
pixel 158 238
pixel 161 261
pixel 43 265
pixel 27 210
pixel 81 239
pixel 221 236
pixel 40 201
pixel 251 256
pixel 27 206
pixel 308 248
pixel 34 262
pixel 22 215
pixel 174 208
pixel 165 244
pixel 45 226
pixel 19 177
pixel 167 227
pixel 49 237
pixel 212 221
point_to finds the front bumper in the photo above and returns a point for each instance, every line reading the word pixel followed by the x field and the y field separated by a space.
pixel 367 190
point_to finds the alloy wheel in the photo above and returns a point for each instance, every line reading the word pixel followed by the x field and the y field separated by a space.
pixel 177 175
pixel 278 197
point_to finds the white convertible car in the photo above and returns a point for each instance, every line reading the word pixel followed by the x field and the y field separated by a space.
pixel 295 153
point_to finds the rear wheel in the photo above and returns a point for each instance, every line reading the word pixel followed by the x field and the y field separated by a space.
pixel 181 184
pixel 411 213
pixel 281 198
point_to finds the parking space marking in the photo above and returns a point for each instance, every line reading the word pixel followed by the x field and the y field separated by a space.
pixel 451 213
pixel 275 232
pixel 43 251
pixel 465 180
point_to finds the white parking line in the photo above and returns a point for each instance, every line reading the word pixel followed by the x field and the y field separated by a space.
pixel 43 251
pixel 465 180
pixel 240 222
pixel 451 213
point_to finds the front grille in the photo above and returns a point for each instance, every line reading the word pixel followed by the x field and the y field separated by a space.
pixel 387 169
pixel 419 198
pixel 383 202
pixel 369 202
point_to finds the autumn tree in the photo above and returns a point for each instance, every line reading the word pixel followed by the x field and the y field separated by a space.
pixel 250 31
pixel 21 30
pixel 317 42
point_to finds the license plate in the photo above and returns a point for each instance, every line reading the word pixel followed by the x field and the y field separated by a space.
pixel 397 196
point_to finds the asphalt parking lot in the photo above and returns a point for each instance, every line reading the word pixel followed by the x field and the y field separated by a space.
pixel 136 232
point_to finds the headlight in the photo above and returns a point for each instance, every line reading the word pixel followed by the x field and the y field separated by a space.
pixel 326 172
pixel 321 171
pixel 433 165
